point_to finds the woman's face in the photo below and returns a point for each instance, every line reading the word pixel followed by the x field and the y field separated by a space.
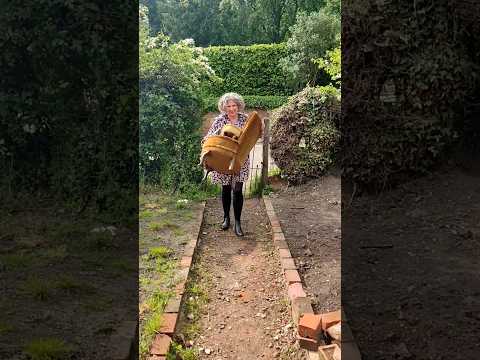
pixel 231 107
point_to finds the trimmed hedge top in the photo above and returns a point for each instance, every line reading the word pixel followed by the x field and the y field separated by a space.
pixel 248 70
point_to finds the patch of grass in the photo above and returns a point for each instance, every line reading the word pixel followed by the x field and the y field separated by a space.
pixel 178 232
pixel 73 286
pixel 165 224
pixel 47 349
pixel 158 300
pixel 5 328
pixel 57 254
pixel 159 252
pixel 177 351
pixel 39 289
pixel 150 327
pixel 155 226
pixel 201 192
pixel 145 214
pixel 255 188
pixel 17 261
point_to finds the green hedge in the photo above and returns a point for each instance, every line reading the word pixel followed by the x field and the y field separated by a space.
pixel 251 70
pixel 251 101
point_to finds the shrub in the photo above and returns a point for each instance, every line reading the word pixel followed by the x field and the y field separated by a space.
pixel 252 70
pixel 304 133
pixel 170 110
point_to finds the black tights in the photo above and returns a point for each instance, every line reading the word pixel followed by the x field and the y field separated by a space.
pixel 237 200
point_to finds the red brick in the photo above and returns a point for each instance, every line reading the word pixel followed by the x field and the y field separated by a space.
pixel 281 244
pixel 331 318
pixel 278 237
pixel 182 274
pixel 295 291
pixel 268 205
pixel 291 276
pixel 271 214
pixel 180 288
pixel 186 261
pixel 277 229
pixel 173 305
pixel 300 306
pixel 160 344
pixel 285 253
pixel 169 321
pixel 309 344
pixel 274 222
pixel 325 352
pixel 288 264
pixel 188 251
pixel 310 326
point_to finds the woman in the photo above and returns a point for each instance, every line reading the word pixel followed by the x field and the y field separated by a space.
pixel 231 106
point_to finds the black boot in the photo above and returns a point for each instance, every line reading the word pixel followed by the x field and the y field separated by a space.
pixel 226 223
pixel 226 200
pixel 238 228
pixel 237 210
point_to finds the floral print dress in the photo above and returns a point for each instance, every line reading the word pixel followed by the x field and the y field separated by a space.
pixel 225 179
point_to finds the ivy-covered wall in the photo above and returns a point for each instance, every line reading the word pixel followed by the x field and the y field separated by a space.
pixel 408 71
pixel 248 70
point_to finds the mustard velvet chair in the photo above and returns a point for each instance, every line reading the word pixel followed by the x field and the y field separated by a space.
pixel 226 153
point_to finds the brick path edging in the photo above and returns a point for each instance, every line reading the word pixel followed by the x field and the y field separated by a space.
pixel 300 303
pixel 162 341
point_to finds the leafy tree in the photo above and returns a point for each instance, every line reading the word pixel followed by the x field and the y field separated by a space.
pixel 221 22
pixel 312 36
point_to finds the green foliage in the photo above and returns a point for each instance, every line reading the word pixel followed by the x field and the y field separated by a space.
pixel 331 64
pixel 47 349
pixel 406 90
pixel 68 100
pixel 177 351
pixel 312 36
pixel 305 134
pixel 249 70
pixel 267 102
pixel 170 110
pixel 222 22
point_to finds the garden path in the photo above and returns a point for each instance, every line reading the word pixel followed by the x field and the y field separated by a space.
pixel 247 314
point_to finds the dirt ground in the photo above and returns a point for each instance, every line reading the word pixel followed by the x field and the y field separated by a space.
pixel 247 314
pixel 411 285
pixel 310 218
pixel 61 280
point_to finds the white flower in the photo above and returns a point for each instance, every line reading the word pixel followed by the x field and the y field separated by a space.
pixel 29 128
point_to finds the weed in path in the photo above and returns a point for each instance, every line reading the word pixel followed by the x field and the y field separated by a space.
pixel 177 351
pixel 47 349
pixel 39 289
